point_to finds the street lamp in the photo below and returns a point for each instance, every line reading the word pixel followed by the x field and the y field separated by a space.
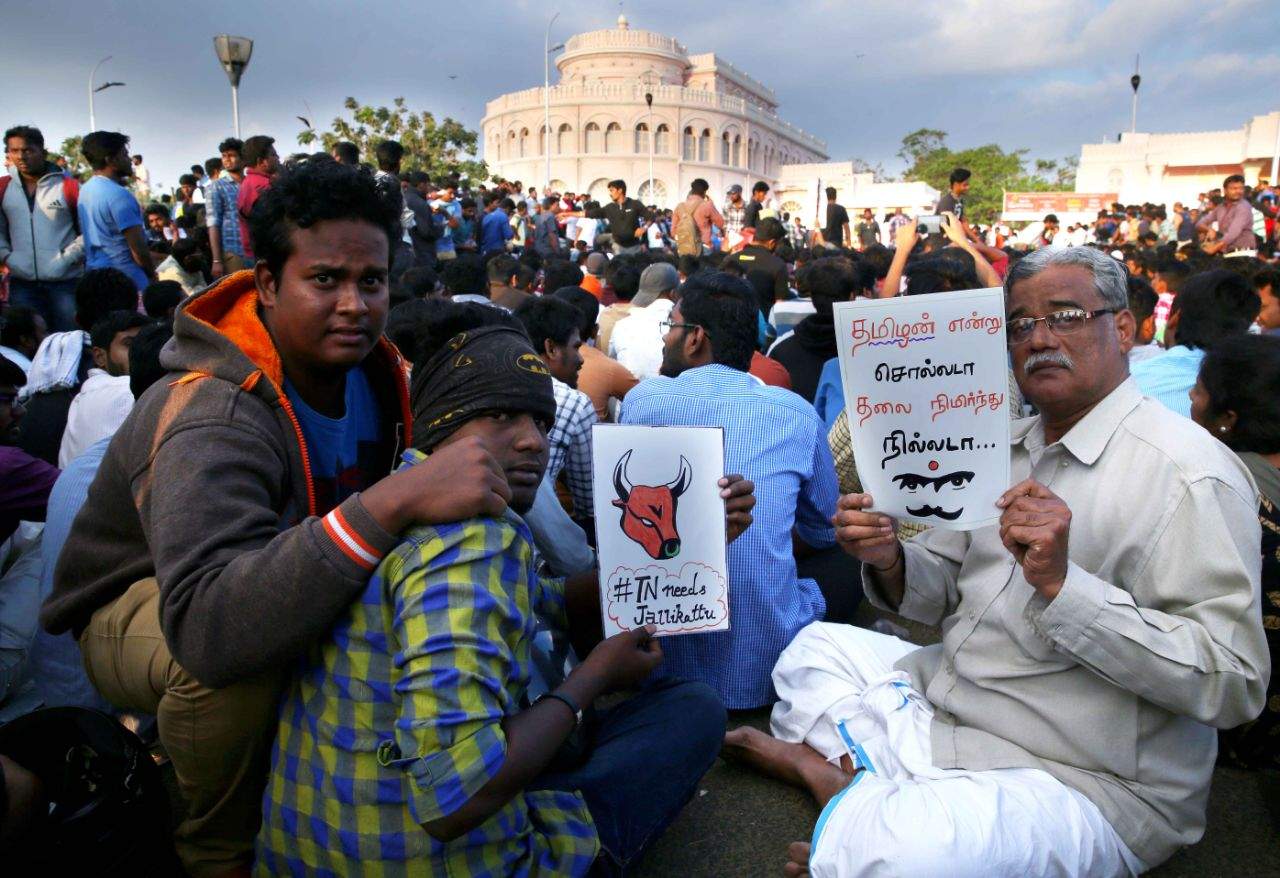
pixel 647 79
pixel 1135 81
pixel 546 95
pixel 93 122
pixel 233 55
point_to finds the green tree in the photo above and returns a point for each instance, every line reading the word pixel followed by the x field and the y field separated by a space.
pixel 70 150
pixel 994 171
pixel 443 149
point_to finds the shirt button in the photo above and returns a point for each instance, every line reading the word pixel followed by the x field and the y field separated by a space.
pixel 972 615
pixel 950 669
pixel 1064 464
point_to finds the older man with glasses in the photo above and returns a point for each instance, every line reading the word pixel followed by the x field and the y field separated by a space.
pixel 1092 641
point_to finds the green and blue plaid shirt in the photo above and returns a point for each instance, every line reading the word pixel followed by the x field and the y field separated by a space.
pixel 396 720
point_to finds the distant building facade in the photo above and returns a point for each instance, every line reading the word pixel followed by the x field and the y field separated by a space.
pixel 1162 168
pixel 708 119
pixel 800 191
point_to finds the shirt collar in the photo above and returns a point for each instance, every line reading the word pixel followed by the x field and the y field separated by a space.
pixel 1089 437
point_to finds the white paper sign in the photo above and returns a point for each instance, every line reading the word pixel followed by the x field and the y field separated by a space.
pixel 660 528
pixel 926 388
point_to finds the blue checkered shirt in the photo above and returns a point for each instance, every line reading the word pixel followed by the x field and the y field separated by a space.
pixel 776 439
pixel 224 214
pixel 570 441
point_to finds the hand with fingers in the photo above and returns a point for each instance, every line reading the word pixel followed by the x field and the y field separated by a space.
pixel 868 536
pixel 1035 527
pixel 739 498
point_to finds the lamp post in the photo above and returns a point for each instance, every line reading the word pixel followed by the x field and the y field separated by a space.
pixel 647 79
pixel 546 94
pixel 1275 154
pixel 233 55
pixel 93 74
pixel 1134 81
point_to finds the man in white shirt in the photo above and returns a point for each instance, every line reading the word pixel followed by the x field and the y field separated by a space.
pixel 636 341
pixel 104 400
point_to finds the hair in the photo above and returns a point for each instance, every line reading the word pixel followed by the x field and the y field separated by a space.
pixel 959 175
pixel 11 373
pixel 187 180
pixel 727 309
pixel 1110 277
pixel 197 170
pixel 404 319
pixel 101 291
pixel 623 275
pixel 161 296
pixel 760 186
pixel 587 304
pixel 388 154
pixel 547 318
pixel 255 149
pixel 1051 218
pixel 688 264
pixel 441 320
pixel 1234 178
pixel 1268 277
pixel 1173 273
pixel 618 184
pixel 831 193
pixel 826 282
pixel 943 271
pixel 19 322
pixel 346 152
pixel 231 144
pixel 699 186
pixel 770 229
pixel 28 133
pixel 308 193
pixel 213 164
pixel 107 328
pixel 157 210
pixel 465 275
pixel 1142 298
pixel 502 268
pixel 557 273
pixel 1215 306
pixel 1242 377
pixel 98 147
pixel 144 356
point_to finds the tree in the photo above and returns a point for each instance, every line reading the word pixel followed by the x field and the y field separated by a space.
pixel 994 171
pixel 441 149
pixel 76 165
pixel 878 175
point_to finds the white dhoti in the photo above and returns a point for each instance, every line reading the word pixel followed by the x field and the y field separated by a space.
pixel 840 695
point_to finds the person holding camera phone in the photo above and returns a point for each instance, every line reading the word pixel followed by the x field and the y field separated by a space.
pixel 909 235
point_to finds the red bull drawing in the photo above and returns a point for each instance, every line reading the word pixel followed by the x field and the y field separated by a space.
pixel 649 511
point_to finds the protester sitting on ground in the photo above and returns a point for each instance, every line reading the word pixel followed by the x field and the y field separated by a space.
pixel 1237 399
pixel 1213 308
pixel 812 343
pixel 465 279
pixel 760 264
pixel 21 331
pixel 26 480
pixel 553 326
pixel 184 264
pixel 636 341
pixel 558 273
pixel 605 381
pixel 773 438
pixel 491 762
pixel 63 361
pixel 1142 302
pixel 257 477
pixel 622 281
pixel 1266 284
pixel 417 283
pixel 1148 611
pixel 161 298
pixel 104 400
pixel 504 274
pixel 593 274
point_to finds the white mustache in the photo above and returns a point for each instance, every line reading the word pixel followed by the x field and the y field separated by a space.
pixel 1047 358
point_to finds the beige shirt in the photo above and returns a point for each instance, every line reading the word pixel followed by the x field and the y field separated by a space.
pixel 1156 638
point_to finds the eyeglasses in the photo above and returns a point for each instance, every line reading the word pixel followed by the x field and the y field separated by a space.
pixel 667 325
pixel 1060 323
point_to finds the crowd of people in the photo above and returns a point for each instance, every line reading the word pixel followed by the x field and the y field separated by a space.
pixel 297 485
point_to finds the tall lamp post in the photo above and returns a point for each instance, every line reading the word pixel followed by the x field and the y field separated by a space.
pixel 1135 81
pixel 647 79
pixel 93 74
pixel 233 55
pixel 546 96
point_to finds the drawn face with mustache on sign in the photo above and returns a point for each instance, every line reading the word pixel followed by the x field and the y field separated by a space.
pixel 947 485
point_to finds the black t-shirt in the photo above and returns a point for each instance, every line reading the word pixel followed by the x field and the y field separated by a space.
pixel 623 219
pixel 751 217
pixel 766 273
pixel 948 203
pixel 837 219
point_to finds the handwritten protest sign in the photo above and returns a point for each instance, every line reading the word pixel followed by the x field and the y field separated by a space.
pixel 926 387
pixel 660 528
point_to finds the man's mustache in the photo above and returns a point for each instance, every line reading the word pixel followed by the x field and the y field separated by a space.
pixel 1047 358
pixel 922 511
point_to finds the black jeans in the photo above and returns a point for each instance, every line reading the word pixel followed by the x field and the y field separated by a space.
pixel 647 755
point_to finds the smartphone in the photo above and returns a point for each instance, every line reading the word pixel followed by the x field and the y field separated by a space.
pixel 929 225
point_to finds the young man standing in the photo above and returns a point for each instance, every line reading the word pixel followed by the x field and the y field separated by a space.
pixel 751 216
pixel 735 214
pixel 223 215
pixel 109 214
pixel 246 500
pixel 261 163
pixel 952 201
pixel 626 220
pixel 449 216
pixel 40 239
pixel 836 230
pixel 868 230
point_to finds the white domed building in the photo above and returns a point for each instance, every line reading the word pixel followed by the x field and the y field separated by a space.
pixel 707 119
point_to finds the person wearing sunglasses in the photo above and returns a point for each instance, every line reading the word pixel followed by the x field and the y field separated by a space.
pixel 1093 640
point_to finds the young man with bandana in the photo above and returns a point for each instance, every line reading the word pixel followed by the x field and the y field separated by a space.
pixel 418 724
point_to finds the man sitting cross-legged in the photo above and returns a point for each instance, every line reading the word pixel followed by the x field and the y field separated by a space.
pixel 1092 640
pixel 413 743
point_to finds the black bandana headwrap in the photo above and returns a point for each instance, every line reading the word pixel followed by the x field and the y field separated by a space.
pixel 481 370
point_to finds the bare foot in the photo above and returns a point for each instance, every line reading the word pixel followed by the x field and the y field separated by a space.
pixel 798 856
pixel 797 764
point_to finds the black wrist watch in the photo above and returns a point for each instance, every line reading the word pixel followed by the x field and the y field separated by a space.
pixel 567 702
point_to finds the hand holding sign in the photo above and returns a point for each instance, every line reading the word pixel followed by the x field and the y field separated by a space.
pixel 867 536
pixel 1035 528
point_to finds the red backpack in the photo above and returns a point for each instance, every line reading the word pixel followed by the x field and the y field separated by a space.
pixel 70 194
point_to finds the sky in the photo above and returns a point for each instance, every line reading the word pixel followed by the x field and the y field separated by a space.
pixel 1044 75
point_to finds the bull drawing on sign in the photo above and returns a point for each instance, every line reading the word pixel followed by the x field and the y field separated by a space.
pixel 649 511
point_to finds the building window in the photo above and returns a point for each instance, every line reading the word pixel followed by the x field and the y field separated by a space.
pixel 524 142
pixel 613 138
pixel 564 139
pixel 662 140
pixel 592 144
pixel 724 149
pixel 704 146
pixel 656 196
pixel 542 140
pixel 642 139
pixel 689 151
pixel 737 151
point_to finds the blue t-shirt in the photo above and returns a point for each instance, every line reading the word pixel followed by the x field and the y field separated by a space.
pixel 444 244
pixel 343 452
pixel 106 209
pixel 495 231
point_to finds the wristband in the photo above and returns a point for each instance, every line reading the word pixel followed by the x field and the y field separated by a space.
pixel 902 554
pixel 567 702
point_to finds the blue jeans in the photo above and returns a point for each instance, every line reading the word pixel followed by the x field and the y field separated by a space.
pixel 55 300
pixel 647 755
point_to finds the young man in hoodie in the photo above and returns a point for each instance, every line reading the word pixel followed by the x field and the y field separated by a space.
pixel 40 239
pixel 813 342
pixel 245 502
